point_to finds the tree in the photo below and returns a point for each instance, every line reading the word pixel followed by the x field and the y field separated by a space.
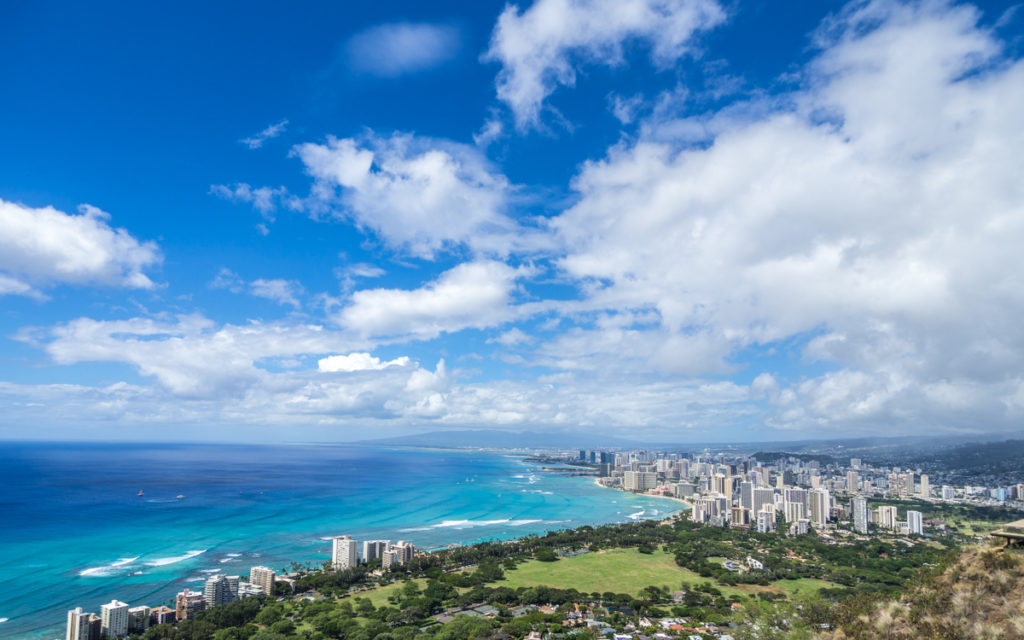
pixel 545 554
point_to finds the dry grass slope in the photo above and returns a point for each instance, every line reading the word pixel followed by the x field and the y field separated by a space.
pixel 979 597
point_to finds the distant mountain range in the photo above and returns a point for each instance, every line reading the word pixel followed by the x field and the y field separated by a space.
pixel 875 448
pixel 485 438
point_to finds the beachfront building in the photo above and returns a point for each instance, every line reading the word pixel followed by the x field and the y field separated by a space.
pixel 263 578
pixel 114 619
pixel 187 604
pixel 138 619
pixel 344 553
pixel 639 480
pixel 162 615
pixel 220 589
pixel 79 625
pixel 374 549
pixel 397 554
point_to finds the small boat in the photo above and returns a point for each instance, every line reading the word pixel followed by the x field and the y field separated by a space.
pixel 179 496
pixel 140 492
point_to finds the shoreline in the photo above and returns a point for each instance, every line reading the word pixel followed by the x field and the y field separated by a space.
pixel 585 507
pixel 597 481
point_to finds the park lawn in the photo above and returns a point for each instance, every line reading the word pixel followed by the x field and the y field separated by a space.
pixel 804 585
pixel 615 570
pixel 379 595
pixel 974 527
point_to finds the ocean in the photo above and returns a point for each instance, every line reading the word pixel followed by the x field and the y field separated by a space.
pixel 74 530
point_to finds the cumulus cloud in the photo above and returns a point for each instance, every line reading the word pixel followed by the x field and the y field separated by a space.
pixel 264 199
pixel 512 337
pixel 359 361
pixel 397 48
pixel 540 48
pixel 471 295
pixel 418 195
pixel 272 131
pixel 877 207
pixel 40 247
pixel 277 290
pixel 188 355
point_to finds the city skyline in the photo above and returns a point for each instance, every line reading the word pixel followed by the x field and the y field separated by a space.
pixel 656 220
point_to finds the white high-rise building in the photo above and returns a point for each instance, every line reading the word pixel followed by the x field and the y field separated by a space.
pixel 925 487
pixel 344 553
pixel 747 494
pixel 218 590
pixel 887 517
pixel 852 481
pixel 373 549
pixel 821 503
pixel 78 625
pixel 793 510
pixel 915 523
pixel 860 514
pixel 389 559
pixel 948 492
pixel 763 496
pixel 138 618
pixel 263 578
pixel 639 480
pixel 114 616
pixel 766 520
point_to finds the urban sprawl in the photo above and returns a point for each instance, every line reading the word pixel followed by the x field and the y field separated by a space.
pixel 783 493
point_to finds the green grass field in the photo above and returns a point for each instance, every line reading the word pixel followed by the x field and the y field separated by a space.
pixel 379 595
pixel 629 571
pixel 617 570
pixel 804 585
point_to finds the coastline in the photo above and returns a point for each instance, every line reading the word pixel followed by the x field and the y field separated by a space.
pixel 161 545
pixel 597 481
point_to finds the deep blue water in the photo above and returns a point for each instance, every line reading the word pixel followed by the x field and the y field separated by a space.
pixel 75 532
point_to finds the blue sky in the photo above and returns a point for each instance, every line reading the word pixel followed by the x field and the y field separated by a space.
pixel 683 220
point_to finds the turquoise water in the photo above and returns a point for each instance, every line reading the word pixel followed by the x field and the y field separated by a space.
pixel 75 532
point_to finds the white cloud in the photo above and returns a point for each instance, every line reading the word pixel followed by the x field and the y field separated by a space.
pixel 880 206
pixel 227 279
pixel 264 199
pixel 418 195
pixel 394 49
pixel 540 48
pixel 512 337
pixel 359 361
pixel 277 290
pixel 470 295
pixel 42 247
pixel 272 131
pixel 188 355
pixel 364 270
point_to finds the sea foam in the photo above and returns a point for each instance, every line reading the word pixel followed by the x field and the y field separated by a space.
pixel 108 569
pixel 161 562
